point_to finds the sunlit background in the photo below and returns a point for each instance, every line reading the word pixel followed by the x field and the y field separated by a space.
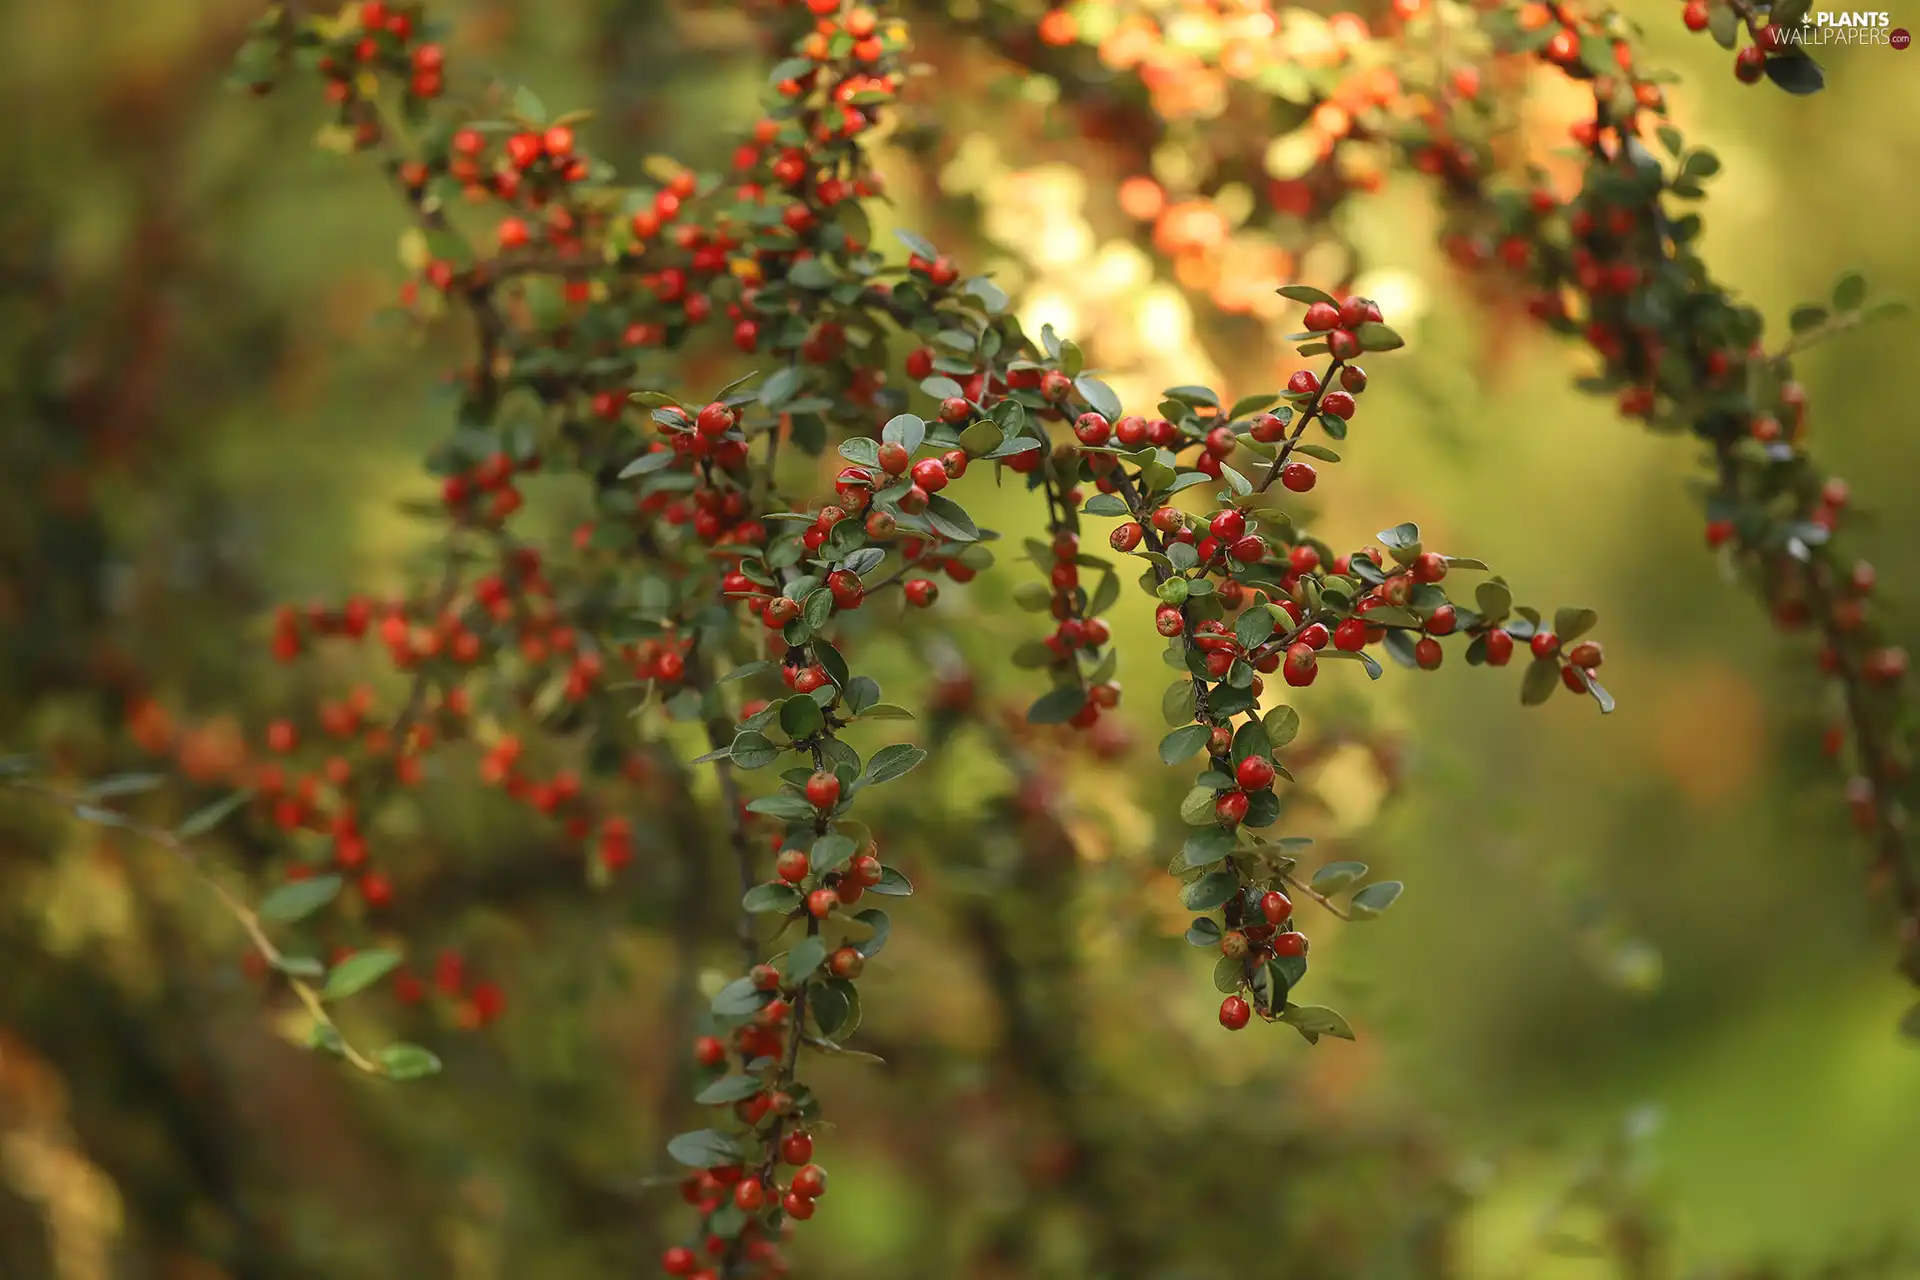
pixel 1652 924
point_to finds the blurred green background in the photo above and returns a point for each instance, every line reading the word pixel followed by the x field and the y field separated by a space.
pixel 1659 913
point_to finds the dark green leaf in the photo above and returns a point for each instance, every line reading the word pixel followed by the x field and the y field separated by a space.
pixel 729 1089
pixel 892 884
pixel 892 762
pixel 704 1149
pixel 1336 876
pixel 1212 890
pixel 1374 899
pixel 881 924
pixel 1182 743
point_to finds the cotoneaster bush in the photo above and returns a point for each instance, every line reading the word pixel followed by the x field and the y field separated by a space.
pixel 716 585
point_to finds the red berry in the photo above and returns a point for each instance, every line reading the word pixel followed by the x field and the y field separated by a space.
pixel 715 419
pixel 1231 807
pixel 1276 907
pixel 796 1148
pixel 1299 476
pixel 930 474
pixel 1429 566
pixel 1587 654
pixel 820 902
pixel 1428 653
pixel 1356 311
pixel 823 790
pixel 1337 404
pixel 810 1181
pixel 1235 1013
pixel 1304 382
pixel 1287 945
pixel 1499 648
pixel 792 865
pixel 1255 773
pixel 922 592
pixel 1544 644
pixel 1351 636
pixel 1227 525
pixel 1321 317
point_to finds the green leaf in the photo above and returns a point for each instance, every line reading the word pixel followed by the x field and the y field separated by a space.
pixel 1282 725
pixel 908 430
pixel 892 884
pixel 981 439
pixel 951 520
pixel 892 762
pixel 124 784
pixel 1375 336
pixel 1105 504
pixel 298 899
pixel 1306 293
pixel 1071 359
pixel 704 1149
pixel 528 107
pixel 1795 72
pixel 773 896
pixel 201 821
pixel 752 750
pixel 1805 319
pixel 1849 291
pixel 830 853
pixel 1494 599
pixel 729 1089
pixel 1212 890
pixel 299 966
pixel 801 717
pixel 1197 808
pixel 817 608
pixel 805 957
pixel 881 924
pixel 739 999
pixel 407 1062
pixel 1374 899
pixel 358 972
pixel 1058 705
pixel 1336 876
pixel 1178 702
pixel 1400 537
pixel 1203 932
pixel 885 711
pixel 1206 847
pixel 1182 743
pixel 1228 974
pixel 792 808
pixel 1314 1021
pixel 1723 24
pixel 1570 624
pixel 1542 678
pixel 1099 395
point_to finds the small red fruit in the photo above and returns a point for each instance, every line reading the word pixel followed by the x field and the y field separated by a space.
pixel 823 790
pixel 1235 1012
